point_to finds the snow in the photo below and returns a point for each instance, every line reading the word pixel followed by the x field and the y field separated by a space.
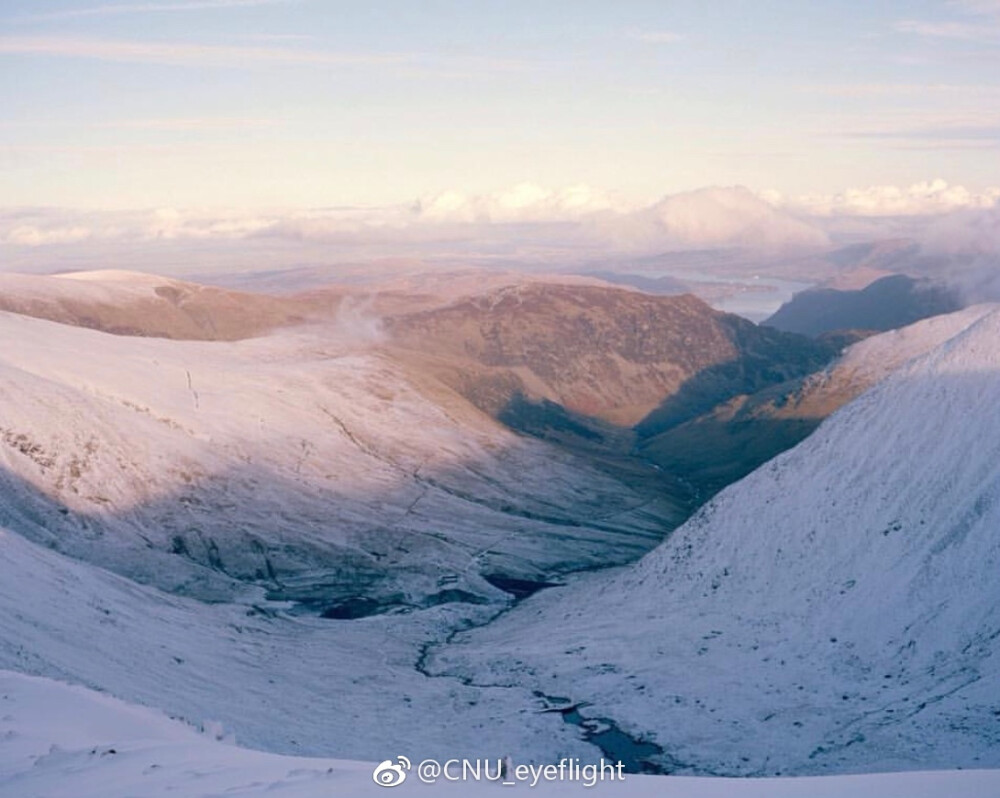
pixel 871 360
pixel 58 740
pixel 303 458
pixel 278 681
pixel 105 286
pixel 120 276
pixel 341 474
pixel 835 611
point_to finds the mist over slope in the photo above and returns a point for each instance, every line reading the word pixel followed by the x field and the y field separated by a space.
pixel 834 611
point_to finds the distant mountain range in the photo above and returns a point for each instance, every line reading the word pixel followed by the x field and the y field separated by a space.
pixel 885 304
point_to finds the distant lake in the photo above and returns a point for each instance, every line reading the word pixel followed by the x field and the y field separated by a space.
pixel 754 298
pixel 767 294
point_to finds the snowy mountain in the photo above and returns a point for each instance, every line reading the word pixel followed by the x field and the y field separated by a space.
pixel 134 303
pixel 178 516
pixel 309 540
pixel 835 611
pixel 308 463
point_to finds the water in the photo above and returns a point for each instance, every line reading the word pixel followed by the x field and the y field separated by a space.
pixel 635 755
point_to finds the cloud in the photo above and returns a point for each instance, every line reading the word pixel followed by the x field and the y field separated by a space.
pixel 656 36
pixel 989 8
pixel 111 9
pixel 28 235
pixel 975 90
pixel 187 54
pixel 963 249
pixel 525 214
pixel 524 202
pixel 725 217
pixel 39 228
pixel 191 123
pixel 948 30
pixel 967 232
pixel 529 217
pixel 920 199
pixel 983 27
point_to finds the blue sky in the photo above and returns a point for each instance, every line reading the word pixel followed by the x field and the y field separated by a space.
pixel 320 103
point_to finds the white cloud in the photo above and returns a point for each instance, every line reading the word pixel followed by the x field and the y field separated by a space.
pixel 191 123
pixel 656 36
pixel 524 202
pixel 989 8
pixel 575 218
pixel 973 90
pixel 721 217
pixel 947 30
pixel 187 54
pixel 111 9
pixel 920 199
pixel 247 56
pixel 963 249
pixel 982 26
pixel 52 227
pixel 29 235
pixel 967 232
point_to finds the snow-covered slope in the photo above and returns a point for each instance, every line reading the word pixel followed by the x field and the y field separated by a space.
pixel 869 361
pixel 279 478
pixel 280 682
pixel 837 610
pixel 134 303
pixel 308 463
pixel 59 741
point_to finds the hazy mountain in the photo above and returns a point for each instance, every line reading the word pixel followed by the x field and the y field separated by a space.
pixel 834 611
pixel 885 304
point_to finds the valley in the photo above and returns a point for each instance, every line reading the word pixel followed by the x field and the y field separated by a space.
pixel 329 536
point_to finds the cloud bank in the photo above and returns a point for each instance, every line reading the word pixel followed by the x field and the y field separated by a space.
pixel 525 222
pixel 732 217
pixel 920 199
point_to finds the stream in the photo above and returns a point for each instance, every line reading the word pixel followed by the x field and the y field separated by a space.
pixel 615 745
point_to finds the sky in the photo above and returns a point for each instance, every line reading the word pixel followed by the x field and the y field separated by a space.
pixel 264 104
